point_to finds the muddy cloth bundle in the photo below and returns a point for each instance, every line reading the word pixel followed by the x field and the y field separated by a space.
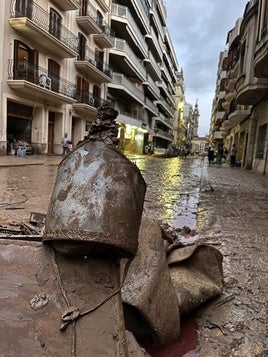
pixel 196 273
pixel 150 302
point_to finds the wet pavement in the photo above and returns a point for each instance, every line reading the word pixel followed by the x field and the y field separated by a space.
pixel 228 207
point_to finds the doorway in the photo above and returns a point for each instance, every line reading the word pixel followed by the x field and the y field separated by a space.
pixel 50 140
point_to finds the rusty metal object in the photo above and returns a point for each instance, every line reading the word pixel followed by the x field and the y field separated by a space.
pixel 150 301
pixel 197 275
pixel 98 200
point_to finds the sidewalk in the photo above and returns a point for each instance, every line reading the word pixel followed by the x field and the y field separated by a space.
pixel 233 216
pixel 10 160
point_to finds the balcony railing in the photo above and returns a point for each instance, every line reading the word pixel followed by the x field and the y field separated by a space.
pixel 120 79
pixel 23 70
pixel 41 18
pixel 91 100
pixel 124 13
pixel 122 45
pixel 91 57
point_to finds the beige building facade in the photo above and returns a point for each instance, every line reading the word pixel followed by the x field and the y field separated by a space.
pixel 62 59
pixel 240 108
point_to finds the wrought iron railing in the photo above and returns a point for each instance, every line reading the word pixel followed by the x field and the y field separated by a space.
pixel 41 18
pixel 91 99
pixel 23 70
pixel 91 57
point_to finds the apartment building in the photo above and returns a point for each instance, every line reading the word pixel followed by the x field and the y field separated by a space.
pixel 54 70
pixel 62 59
pixel 242 116
pixel 145 72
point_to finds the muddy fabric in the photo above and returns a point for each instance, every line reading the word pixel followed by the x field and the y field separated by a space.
pixel 134 349
pixel 150 301
pixel 196 273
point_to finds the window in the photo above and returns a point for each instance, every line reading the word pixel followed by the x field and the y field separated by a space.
pixel 81 47
pixel 261 141
pixel 54 75
pixel 25 62
pixel 24 8
pixel 82 90
pixel 54 23
pixel 83 8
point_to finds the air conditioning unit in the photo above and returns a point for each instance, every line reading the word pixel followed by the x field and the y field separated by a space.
pixel 45 81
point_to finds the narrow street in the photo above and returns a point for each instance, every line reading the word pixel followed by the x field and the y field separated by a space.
pixel 228 208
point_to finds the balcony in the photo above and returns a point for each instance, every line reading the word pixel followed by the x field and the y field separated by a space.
pixel 122 87
pixel 132 117
pixel 33 23
pixel 104 5
pixel 152 87
pixel 165 91
pixel 160 118
pixel 92 66
pixel 157 22
pixel 106 38
pixel 250 90
pixel 35 82
pixel 239 113
pixel 260 62
pixel 126 61
pixel 149 105
pixel 153 67
pixel 163 134
pixel 220 115
pixel 126 26
pixel 87 103
pixel 142 13
pixel 164 106
pixel 219 134
pixel 90 22
pixel 66 5
pixel 226 125
pixel 154 45
pixel 229 96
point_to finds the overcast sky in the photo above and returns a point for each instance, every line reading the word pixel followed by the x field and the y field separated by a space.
pixel 198 30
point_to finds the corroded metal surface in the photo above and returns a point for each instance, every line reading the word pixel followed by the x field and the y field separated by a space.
pixel 98 200
pixel 38 285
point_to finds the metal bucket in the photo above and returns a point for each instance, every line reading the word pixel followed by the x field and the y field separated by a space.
pixel 98 200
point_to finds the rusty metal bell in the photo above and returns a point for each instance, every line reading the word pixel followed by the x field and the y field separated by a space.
pixel 97 201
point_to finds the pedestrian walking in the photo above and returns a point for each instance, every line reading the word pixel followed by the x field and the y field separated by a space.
pixel 211 155
pixel 65 144
pixel 233 154
pixel 220 154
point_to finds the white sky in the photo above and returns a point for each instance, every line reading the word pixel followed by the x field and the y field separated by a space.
pixel 198 30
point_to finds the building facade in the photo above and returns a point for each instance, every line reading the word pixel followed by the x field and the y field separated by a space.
pixel 144 75
pixel 240 108
pixel 62 59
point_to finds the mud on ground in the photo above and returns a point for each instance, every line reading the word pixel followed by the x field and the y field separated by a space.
pixel 233 216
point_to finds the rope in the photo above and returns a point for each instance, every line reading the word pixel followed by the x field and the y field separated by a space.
pixel 71 314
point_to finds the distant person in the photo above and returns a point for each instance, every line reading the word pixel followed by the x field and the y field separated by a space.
pixel 220 154
pixel 65 144
pixel 70 146
pixel 211 155
pixel 225 154
pixel 233 154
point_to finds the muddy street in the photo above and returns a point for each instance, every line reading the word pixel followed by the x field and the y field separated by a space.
pixel 227 208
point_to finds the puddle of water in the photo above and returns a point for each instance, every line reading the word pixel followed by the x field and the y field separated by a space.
pixel 185 345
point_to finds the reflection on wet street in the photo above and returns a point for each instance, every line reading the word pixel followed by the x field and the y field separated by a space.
pixel 173 187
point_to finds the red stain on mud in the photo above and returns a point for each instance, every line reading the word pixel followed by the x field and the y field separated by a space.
pixel 185 345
